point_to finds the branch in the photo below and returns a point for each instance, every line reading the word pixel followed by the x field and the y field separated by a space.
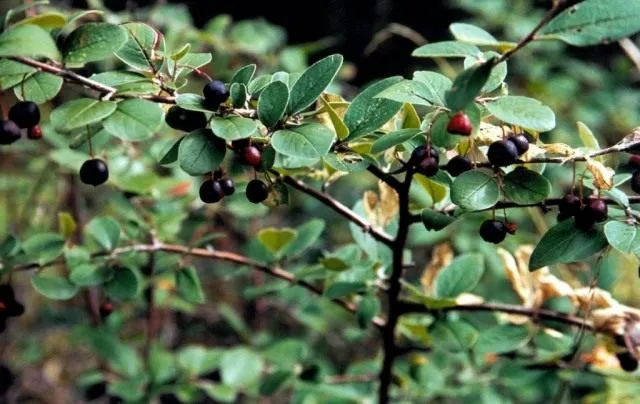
pixel 209 254
pixel 327 200
pixel 386 177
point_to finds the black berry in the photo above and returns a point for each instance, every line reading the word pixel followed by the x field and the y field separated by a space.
pixel 34 133
pixel 228 187
pixel 257 191
pixel 569 206
pixel 9 132
pixel 634 162
pixel 428 167
pixel 211 191
pixel 458 165
pixel 94 172
pixel 25 114
pixel 6 379
pixel 185 120
pixel 635 181
pixel 584 219
pixel 9 306
pixel 215 94
pixel 597 209
pixel 627 362
pixel 422 152
pixel 520 142
pixel 460 124
pixel 493 231
pixel 251 156
pixel 95 391
pixel 502 153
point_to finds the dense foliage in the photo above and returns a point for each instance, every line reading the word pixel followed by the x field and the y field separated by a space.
pixel 199 215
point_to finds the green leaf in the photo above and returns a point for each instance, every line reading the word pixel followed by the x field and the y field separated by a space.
pixel 367 112
pixel 192 102
pixel 190 61
pixel 105 230
pixel 272 103
pixel 219 392
pixel 275 240
pixel 244 74
pixel 467 86
pixel 90 275
pixel 162 364
pixel 341 289
pixel 454 336
pixel 169 154
pixel 313 82
pixel 593 22
pixel 623 237
pixel 122 358
pixel 238 95
pixel 527 113
pixel 462 275
pixel 92 42
pixel 334 264
pixel 502 339
pixel 201 152
pixel 240 367
pixel 28 40
pixel 426 88
pixel 475 190
pixel 198 360
pixel 434 220
pixel 80 113
pixel 392 139
pixel 135 120
pixel 565 243
pixel 124 285
pixel 446 49
pixel 48 21
pixel 53 287
pixel 587 137
pixel 39 88
pixel 234 127
pixel 436 190
pixel 525 187
pixel 274 382
pixel 336 120
pixel 13 73
pixel 368 307
pixel 472 34
pixel 309 141
pixel 498 73
pixel 188 285
pixel 44 247
pixel 144 49
pixel 306 236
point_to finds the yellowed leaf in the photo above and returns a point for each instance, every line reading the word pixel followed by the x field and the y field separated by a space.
pixel 602 175
pixel 411 118
pixel 489 133
pixel 520 281
pixel 560 148
pixel 441 257
pixel 389 203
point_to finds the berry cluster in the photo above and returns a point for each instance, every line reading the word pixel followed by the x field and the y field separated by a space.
pixel 23 115
pixel 9 306
pixel 586 213
pixel 506 152
pixel 216 188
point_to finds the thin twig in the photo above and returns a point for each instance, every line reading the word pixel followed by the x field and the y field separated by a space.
pixel 631 49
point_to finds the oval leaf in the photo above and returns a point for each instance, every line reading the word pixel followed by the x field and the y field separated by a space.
pixel 525 187
pixel 462 275
pixel 28 40
pixel 524 112
pixel 135 120
pixel 623 237
pixel 92 42
pixel 201 152
pixel 80 113
pixel 144 48
pixel 272 103
pixel 313 82
pixel 308 141
pixel 475 190
pixel 53 287
pixel 234 127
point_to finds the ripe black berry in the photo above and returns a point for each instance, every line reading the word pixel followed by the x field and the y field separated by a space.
pixel 597 209
pixel 215 94
pixel 563 216
pixel 211 191
pixel 428 167
pixel 228 188
pixel 257 191
pixel 9 306
pixel 251 156
pixel 458 165
pixel 34 133
pixel 25 114
pixel 493 231
pixel 95 391
pixel 185 120
pixel 520 142
pixel 460 124
pixel 502 153
pixel 422 152
pixel 9 132
pixel 627 362
pixel 584 219
pixel 635 181
pixel 94 172
pixel 569 206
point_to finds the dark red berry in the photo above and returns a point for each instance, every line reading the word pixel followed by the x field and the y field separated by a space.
pixel 627 362
pixel 502 153
pixel 25 114
pixel 634 162
pixel 257 191
pixel 422 152
pixel 460 124
pixel 106 309
pixel 240 144
pixel 211 191
pixel 215 94
pixel 251 156
pixel 520 142
pixel 569 205
pixel 511 227
pixel 94 172
pixel 598 209
pixel 9 132
pixel 227 185
pixel 493 231
pixel 428 167
pixel 635 181
pixel 185 120
pixel 458 165
pixel 34 133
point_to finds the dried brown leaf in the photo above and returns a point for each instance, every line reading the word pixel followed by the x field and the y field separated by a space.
pixel 602 175
pixel 441 257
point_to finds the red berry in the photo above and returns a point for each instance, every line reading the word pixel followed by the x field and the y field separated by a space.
pixel 106 309
pixel 502 153
pixel 569 205
pixel 251 156
pixel 511 227
pixel 493 231
pixel 460 124
pixel 34 133
pixel 635 181
pixel 520 142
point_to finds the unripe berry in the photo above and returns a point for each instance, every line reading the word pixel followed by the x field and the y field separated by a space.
pixel 458 165
pixel 25 114
pixel 511 227
pixel 493 231
pixel 211 191
pixel 34 133
pixel 228 188
pixel 502 153
pixel 635 181
pixel 94 172
pixel 520 142
pixel 460 124
pixel 185 120
pixel 215 94
pixel 257 191
pixel 569 205
pixel 251 156
pixel 9 132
